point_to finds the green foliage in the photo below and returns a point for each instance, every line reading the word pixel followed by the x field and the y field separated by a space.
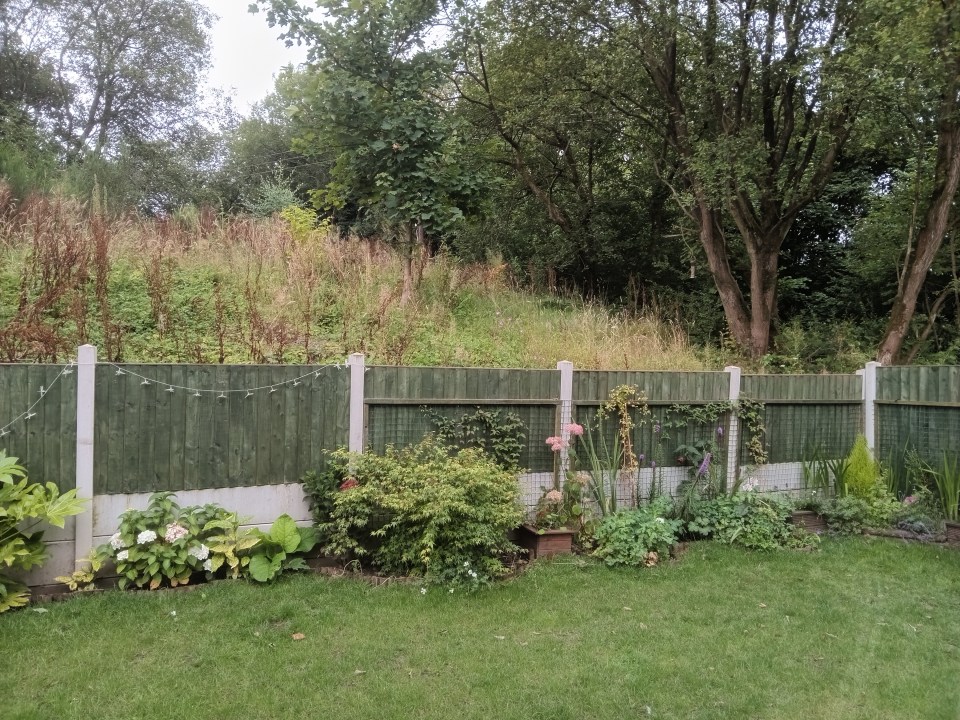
pixel 920 513
pixel 499 433
pixel 274 553
pixel 23 506
pixel 273 196
pixel 846 515
pixel 823 476
pixel 638 537
pixel 605 461
pixel 229 546
pixel 423 510
pixel 862 472
pixel 750 519
pixel 947 479
pixel 166 544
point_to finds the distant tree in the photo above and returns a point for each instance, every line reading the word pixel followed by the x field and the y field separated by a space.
pixel 127 70
pixel 378 103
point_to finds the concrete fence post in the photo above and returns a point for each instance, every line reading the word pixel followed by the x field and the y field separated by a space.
pixel 86 388
pixel 870 405
pixel 566 412
pixel 733 432
pixel 357 366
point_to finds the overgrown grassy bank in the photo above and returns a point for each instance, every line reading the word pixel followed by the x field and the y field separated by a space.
pixel 864 628
pixel 208 289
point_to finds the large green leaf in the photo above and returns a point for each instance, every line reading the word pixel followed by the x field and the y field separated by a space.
pixel 285 533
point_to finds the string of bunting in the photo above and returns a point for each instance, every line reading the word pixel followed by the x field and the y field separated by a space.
pixel 222 393
pixel 29 412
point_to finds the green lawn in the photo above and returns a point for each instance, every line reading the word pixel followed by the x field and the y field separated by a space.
pixel 864 628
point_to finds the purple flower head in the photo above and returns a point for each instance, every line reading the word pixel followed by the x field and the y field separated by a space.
pixel 704 466
pixel 656 428
pixel 653 464
pixel 641 457
pixel 719 431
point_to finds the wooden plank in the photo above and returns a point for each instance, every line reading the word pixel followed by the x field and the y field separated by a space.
pixel 162 432
pixel 178 432
pixel 220 440
pixel 68 439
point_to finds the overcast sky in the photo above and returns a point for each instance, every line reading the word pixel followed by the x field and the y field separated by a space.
pixel 246 53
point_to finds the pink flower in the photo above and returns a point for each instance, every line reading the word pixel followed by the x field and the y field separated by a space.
pixel 553 496
pixel 349 483
pixel 909 500
pixel 557 443
pixel 574 429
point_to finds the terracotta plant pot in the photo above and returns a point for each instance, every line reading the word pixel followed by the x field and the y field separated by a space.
pixel 809 521
pixel 545 543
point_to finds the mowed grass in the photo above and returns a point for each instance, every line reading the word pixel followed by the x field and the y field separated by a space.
pixel 864 628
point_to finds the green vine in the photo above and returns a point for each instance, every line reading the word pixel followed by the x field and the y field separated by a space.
pixel 750 412
pixel 499 433
pixel 621 400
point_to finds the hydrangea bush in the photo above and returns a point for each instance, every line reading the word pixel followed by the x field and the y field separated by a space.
pixel 166 544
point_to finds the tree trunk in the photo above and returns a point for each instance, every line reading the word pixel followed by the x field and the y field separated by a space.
pixel 731 298
pixel 407 258
pixel 928 242
pixel 764 261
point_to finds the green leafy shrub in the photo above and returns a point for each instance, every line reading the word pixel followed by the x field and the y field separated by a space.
pixel 847 515
pixel 23 506
pixel 920 513
pixel 862 474
pixel 276 552
pixel 637 537
pixel 424 510
pixel 750 519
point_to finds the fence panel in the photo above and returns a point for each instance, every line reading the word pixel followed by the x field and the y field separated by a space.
pixel 153 433
pixel 918 408
pixel 45 442
pixel 400 401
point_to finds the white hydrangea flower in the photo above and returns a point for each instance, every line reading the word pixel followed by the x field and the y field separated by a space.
pixel 660 520
pixel 208 565
pixel 175 531
pixel 116 543
pixel 200 552
pixel 123 555
pixel 147 536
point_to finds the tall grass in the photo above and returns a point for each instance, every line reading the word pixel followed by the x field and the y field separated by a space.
pixel 199 287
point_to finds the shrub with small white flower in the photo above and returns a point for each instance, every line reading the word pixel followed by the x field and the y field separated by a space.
pixel 165 544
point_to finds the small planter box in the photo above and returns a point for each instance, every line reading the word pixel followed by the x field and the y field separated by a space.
pixel 952 531
pixel 544 543
pixel 809 521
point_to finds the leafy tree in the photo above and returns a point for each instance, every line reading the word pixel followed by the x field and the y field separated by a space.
pixel 126 70
pixel 928 70
pixel 756 103
pixel 578 200
pixel 378 101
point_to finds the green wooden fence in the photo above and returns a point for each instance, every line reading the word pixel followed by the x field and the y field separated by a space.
pixel 399 400
pixel 806 415
pixel 918 408
pixel 148 438
pixel 46 441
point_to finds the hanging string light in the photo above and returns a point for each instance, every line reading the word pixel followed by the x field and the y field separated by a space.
pixel 221 393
